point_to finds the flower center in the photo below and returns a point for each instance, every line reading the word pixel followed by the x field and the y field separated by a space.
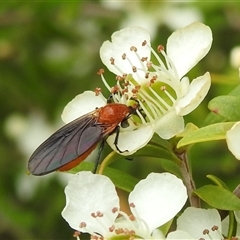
pixel 124 227
pixel 156 87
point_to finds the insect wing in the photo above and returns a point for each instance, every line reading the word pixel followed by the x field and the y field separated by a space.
pixel 65 145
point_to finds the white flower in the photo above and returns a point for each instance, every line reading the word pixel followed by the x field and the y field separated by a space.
pixel 162 91
pixel 196 223
pixel 92 205
pixel 233 139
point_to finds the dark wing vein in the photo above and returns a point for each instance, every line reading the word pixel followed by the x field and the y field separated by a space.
pixel 65 145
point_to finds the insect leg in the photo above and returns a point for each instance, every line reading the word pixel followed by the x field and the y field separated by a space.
pixel 99 155
pixel 117 130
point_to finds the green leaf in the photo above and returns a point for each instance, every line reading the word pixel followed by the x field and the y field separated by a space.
pixel 217 181
pixel 156 151
pixel 218 197
pixel 120 179
pixel 171 167
pixel 226 107
pixel 189 128
pixel 212 132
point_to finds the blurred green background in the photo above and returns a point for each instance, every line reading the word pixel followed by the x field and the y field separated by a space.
pixel 49 52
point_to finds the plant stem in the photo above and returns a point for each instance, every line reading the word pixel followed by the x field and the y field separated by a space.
pixel 188 180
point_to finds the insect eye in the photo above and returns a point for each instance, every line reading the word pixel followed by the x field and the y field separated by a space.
pixel 124 124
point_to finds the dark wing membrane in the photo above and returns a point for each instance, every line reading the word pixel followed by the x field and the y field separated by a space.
pixel 65 145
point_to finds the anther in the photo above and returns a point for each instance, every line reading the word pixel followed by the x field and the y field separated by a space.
pixel 82 225
pixel 133 48
pixel 112 60
pixel 114 89
pixel 119 78
pixel 100 71
pixel 160 48
pixel 97 91
pixel 149 64
pixel 163 88
pixel 114 210
pixel 131 232
pixel 136 89
pixel 134 69
pixel 125 90
pixel 214 228
pixel 118 230
pixel 127 83
pixel 124 56
pixel 124 76
pixel 144 59
pixel 147 75
pixel 131 217
pixel 76 234
pixel 132 205
pixel 205 231
pixel 93 215
pixel 99 214
pixel 112 228
pixel 144 43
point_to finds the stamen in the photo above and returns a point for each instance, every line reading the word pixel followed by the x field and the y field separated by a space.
pixel 145 110
pixel 149 64
pixel 112 228
pixel 134 69
pixel 124 76
pixel 205 232
pixel 160 48
pixel 170 64
pixel 124 56
pixel 97 91
pixel 163 88
pixel 156 56
pixel 144 43
pixel 118 230
pixel 99 214
pixel 164 103
pixel 105 83
pixel 114 89
pixel 147 75
pixel 114 210
pixel 82 225
pixel 214 228
pixel 100 71
pixel 132 205
pixel 133 48
pixel 131 217
pixel 76 234
pixel 155 103
pixel 112 60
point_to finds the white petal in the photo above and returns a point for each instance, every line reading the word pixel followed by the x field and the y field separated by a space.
pixel 82 104
pixel 178 234
pixel 198 89
pixel 184 86
pixel 132 140
pixel 169 125
pixel 187 46
pixel 88 193
pixel 196 220
pixel 121 43
pixel 233 139
pixel 157 199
